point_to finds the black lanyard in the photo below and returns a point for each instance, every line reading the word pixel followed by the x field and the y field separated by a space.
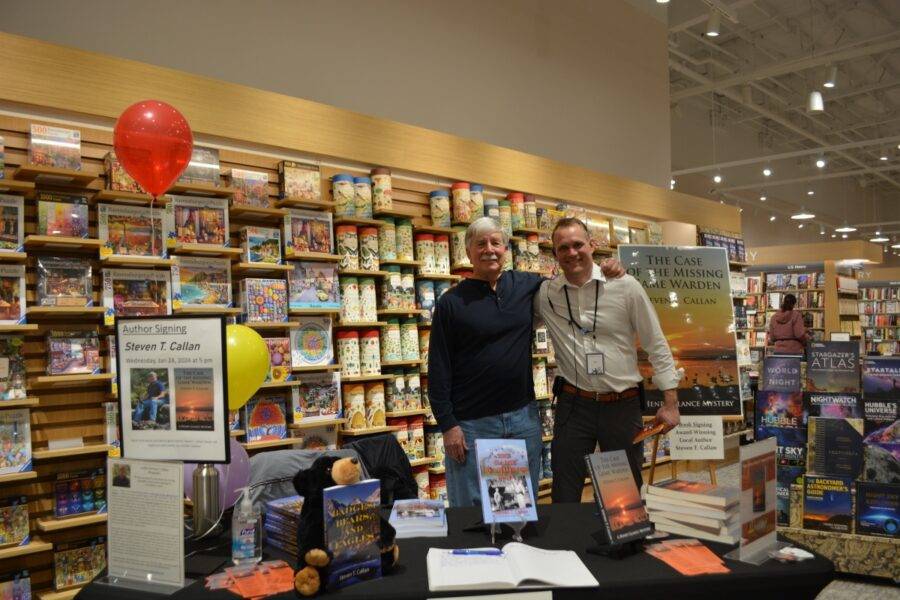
pixel 572 320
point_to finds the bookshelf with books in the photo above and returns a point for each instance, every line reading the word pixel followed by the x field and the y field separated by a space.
pixel 878 307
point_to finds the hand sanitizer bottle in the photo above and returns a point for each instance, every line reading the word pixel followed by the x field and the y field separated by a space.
pixel 246 532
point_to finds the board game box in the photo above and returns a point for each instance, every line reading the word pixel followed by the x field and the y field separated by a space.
pixel 311 342
pixel 316 438
pixel 251 188
pixel 317 398
pixel 203 167
pixel 70 352
pixel 117 178
pixel 55 147
pixel 12 294
pixel 299 182
pixel 314 285
pixel 15 585
pixel 12 222
pixel 266 418
pixel 135 293
pixel 307 231
pixel 79 493
pixel 64 282
pixel 14 521
pixel 193 220
pixel 261 245
pixel 279 358
pixel 12 367
pixel 201 282
pixel 77 563
pixel 62 214
pixel 263 300
pixel 15 441
pixel 130 231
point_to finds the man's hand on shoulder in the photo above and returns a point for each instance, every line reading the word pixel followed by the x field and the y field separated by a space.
pixel 612 268
pixel 455 444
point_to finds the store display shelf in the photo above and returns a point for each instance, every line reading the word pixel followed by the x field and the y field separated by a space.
pixel 82 521
pixel 405 413
pixel 400 312
pixel 18 328
pixel 313 257
pixel 33 547
pixel 361 273
pixel 437 470
pixel 21 476
pixel 438 276
pixel 280 384
pixel 206 250
pixel 360 378
pixel 133 198
pixel 71 244
pixel 300 203
pixel 401 363
pixel 202 189
pixel 358 221
pixel 530 230
pixel 546 438
pixel 545 482
pixel 368 431
pixel 314 424
pixel 135 261
pixel 270 325
pixel 393 213
pixel 358 324
pixel 66 452
pixel 248 268
pixel 738 263
pixel 207 310
pixel 10 256
pixel 516 238
pixel 421 462
pixel 795 290
pixel 851 553
pixel 257 213
pixel 53 175
pixel 316 368
pixel 13 186
pixel 80 380
pixel 250 446
pixel 876 314
pixel 61 595
pixel 432 229
pixel 28 402
pixel 314 311
pixel 236 432
pixel 401 262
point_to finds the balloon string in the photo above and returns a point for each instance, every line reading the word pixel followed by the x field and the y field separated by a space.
pixel 152 227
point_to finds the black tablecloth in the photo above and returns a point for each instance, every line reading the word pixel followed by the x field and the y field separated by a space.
pixel 561 527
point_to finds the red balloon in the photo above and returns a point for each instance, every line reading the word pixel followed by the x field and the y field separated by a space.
pixel 153 141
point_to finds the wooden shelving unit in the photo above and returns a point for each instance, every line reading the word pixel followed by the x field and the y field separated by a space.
pixel 437 470
pixel 202 189
pixel 271 325
pixel 400 263
pixel 206 310
pixel 132 198
pixel 47 525
pixel 316 368
pixel 66 452
pixel 135 261
pixel 206 250
pixel 56 242
pixel 432 229
pixel 313 311
pixel 362 273
pixel 358 221
pixel 401 363
pixel 19 328
pixel 61 595
pixel 257 213
pixel 89 312
pixel 82 379
pixel 33 547
pixel 400 312
pixel 325 205
pixel 257 269
pixel 438 276
pixel 314 424
pixel 17 187
pixel 358 325
pixel 11 256
pixel 421 462
pixel 405 413
pixel 20 476
pixel 274 385
pixel 368 431
pixel 53 175
pixel 251 446
pixel 313 257
pixel 29 402
pixel 362 378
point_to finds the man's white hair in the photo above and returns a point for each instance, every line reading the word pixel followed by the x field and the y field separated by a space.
pixel 482 226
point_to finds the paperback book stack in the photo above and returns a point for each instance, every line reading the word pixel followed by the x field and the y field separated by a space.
pixel 695 509
pixel 282 517
pixel 419 518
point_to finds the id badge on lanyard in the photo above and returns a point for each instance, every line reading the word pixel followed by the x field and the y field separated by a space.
pixel 595 363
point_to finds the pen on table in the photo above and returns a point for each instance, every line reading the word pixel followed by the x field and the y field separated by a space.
pixel 478 552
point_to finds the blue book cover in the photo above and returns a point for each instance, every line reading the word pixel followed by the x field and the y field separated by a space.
pixel 878 509
pixel 505 482
pixel 781 374
pixel 352 532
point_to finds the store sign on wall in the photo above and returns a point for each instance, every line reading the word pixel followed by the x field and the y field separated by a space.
pixel 691 290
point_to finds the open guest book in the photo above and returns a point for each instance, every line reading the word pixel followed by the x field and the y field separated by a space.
pixel 516 566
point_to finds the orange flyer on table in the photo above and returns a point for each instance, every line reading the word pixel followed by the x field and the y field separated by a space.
pixel 688 557
pixel 256 581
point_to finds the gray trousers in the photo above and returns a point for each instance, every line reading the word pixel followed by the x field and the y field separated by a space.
pixel 580 425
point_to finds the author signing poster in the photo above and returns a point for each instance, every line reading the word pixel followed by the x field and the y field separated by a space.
pixel 172 388
pixel 691 290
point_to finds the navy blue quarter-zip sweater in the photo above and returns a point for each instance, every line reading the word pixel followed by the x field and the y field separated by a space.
pixel 479 353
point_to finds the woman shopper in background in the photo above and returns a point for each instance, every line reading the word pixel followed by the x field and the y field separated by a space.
pixel 786 329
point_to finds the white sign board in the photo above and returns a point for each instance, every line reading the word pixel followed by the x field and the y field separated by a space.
pixel 698 438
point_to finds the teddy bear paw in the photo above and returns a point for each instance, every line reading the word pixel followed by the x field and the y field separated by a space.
pixel 307 581
pixel 316 557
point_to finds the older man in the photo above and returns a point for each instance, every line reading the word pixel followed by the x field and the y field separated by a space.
pixel 479 367
pixel 593 323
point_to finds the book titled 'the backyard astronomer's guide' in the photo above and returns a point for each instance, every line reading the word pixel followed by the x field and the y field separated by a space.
pixel 690 288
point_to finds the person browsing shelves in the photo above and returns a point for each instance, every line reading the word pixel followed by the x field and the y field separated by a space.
pixel 786 332
pixel 593 322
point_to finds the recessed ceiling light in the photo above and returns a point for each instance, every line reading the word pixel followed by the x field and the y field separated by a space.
pixel 810 193
pixel 717 178
pixel 767 172
pixel 820 163
pixel 762 198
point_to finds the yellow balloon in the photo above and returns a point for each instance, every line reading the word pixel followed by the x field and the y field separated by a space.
pixel 248 364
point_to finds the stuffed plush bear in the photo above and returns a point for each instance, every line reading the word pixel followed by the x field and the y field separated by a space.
pixel 313 557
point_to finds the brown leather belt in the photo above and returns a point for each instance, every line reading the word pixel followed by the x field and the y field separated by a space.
pixel 568 388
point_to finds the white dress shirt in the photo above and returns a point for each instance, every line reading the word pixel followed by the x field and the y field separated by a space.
pixel 623 310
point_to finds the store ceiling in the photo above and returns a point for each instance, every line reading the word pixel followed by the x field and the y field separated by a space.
pixel 753 82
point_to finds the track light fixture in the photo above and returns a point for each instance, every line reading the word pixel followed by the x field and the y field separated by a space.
pixel 815 104
pixel 713 23
pixel 831 81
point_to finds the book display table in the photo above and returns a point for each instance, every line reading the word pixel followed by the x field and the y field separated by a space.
pixel 561 527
